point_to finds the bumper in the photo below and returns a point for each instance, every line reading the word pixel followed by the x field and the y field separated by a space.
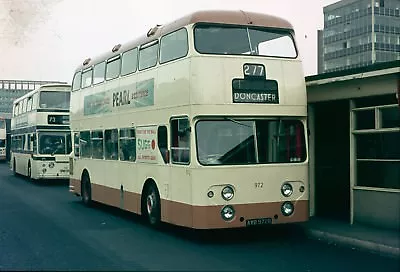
pixel 258 213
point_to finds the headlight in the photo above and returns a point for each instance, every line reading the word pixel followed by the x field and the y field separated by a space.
pixel 287 189
pixel 228 213
pixel 227 193
pixel 51 164
pixel 287 208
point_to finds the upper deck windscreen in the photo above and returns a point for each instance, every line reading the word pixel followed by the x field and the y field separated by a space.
pixel 54 100
pixel 241 40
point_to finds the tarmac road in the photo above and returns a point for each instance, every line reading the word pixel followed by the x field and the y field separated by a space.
pixel 44 227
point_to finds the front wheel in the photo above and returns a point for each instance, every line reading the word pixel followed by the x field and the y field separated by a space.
pixel 152 209
pixel 86 191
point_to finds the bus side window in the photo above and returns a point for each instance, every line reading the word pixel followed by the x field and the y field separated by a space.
pixel 97 144
pixel 162 140
pixel 84 142
pixel 180 136
pixel 34 143
pixel 111 144
pixel 76 144
pixel 127 144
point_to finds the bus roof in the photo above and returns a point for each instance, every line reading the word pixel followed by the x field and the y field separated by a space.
pixel 237 17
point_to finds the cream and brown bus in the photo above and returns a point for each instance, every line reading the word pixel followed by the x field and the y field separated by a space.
pixel 41 142
pixel 200 123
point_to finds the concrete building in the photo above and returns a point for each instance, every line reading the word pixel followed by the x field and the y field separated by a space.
pixel 354 122
pixel 358 33
pixel 12 89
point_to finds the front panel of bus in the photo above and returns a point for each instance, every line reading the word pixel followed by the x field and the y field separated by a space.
pixel 249 105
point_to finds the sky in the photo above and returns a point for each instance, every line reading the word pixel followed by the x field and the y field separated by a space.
pixel 48 39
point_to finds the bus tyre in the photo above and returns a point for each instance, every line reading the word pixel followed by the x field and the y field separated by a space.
pixel 152 206
pixel 29 171
pixel 14 168
pixel 86 193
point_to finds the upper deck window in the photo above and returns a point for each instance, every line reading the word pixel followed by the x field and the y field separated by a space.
pixel 148 55
pixel 87 78
pixel 174 46
pixel 29 105
pixel 129 62
pixel 2 124
pixel 16 109
pixel 113 68
pixel 54 100
pixel 241 40
pixel 76 82
pixel 98 72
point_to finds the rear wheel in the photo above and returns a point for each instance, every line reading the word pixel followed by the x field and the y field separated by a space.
pixel 86 190
pixel 152 206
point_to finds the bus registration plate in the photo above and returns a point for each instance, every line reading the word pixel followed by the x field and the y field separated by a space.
pixel 258 221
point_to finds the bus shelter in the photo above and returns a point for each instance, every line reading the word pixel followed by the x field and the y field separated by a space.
pixel 355 145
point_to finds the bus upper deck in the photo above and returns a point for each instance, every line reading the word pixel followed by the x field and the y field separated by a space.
pixel 241 60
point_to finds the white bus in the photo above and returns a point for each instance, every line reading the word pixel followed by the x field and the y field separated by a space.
pixel 40 133
pixel 199 123
pixel 3 139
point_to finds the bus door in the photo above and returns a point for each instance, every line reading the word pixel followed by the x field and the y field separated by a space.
pixel 180 188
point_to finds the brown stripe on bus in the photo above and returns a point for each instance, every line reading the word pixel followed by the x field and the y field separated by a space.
pixel 199 217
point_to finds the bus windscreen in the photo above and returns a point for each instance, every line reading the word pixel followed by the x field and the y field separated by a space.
pixel 233 40
pixel 54 100
pixel 243 142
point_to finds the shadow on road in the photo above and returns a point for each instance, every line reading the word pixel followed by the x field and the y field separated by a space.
pixel 270 233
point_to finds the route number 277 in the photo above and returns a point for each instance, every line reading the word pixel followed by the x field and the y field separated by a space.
pixel 254 70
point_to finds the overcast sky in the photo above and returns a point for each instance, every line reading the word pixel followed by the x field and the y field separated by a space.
pixel 48 39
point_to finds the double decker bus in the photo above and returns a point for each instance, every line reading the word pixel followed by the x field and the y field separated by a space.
pixel 3 139
pixel 40 133
pixel 199 123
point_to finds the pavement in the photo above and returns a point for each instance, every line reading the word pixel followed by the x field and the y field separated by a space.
pixel 384 242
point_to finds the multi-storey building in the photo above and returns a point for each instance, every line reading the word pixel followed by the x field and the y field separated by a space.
pixel 12 89
pixel 358 33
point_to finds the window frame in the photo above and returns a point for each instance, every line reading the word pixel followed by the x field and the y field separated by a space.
pixel 169 34
pixel 289 33
pixel 104 73
pixel 122 158
pixel 116 150
pixel 171 136
pixel 112 60
pixel 146 46
pixel 77 86
pixel 137 60
pixel 87 70
pixel 378 129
